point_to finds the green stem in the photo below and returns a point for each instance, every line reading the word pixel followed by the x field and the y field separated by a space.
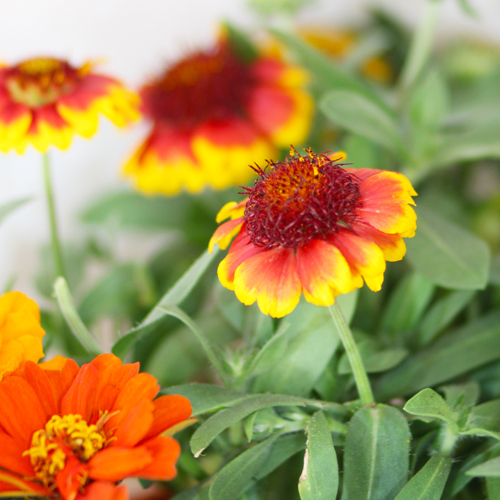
pixel 447 440
pixel 358 369
pixel 56 245
pixel 68 309
pixel 420 47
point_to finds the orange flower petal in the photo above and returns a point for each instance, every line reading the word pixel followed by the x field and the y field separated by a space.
pixel 56 363
pixel 165 452
pixel 225 233
pixel 22 412
pixel 62 380
pixel 39 381
pixel 270 278
pixel 392 245
pixel 134 425
pixel 11 457
pixel 80 397
pixel 169 410
pixel 100 490
pixel 12 483
pixel 114 463
pixel 323 271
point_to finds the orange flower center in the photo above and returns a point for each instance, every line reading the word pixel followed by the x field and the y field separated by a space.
pixel 300 199
pixel 64 437
pixel 42 80
pixel 203 86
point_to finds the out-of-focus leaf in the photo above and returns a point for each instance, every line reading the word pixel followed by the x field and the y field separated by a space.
pixel 173 297
pixel 11 206
pixel 448 255
pixel 358 114
pixel 376 455
pixel 240 43
pixel 271 353
pixel 491 468
pixel 328 74
pixel 442 313
pixel 320 477
pixel 486 415
pixel 406 304
pixel 429 103
pixel 493 488
pixel 374 361
pixel 429 482
pixel 238 475
pixel 362 153
pixel 429 403
pixel 206 397
pixel 467 8
pixel 118 293
pixel 462 350
pixel 205 434
pixel 495 270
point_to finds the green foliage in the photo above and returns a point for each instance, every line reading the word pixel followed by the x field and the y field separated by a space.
pixel 376 454
pixel 10 207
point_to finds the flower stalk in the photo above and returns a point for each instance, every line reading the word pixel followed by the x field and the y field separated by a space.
pixel 54 235
pixel 358 369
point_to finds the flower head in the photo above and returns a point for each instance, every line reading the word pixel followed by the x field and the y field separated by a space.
pixel 45 101
pixel 311 226
pixel 20 332
pixel 75 432
pixel 211 114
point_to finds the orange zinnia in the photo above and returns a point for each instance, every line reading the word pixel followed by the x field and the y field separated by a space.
pixel 310 226
pixel 20 331
pixel 212 113
pixel 75 432
pixel 45 101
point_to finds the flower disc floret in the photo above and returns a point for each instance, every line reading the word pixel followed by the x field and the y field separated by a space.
pixel 301 199
pixel 312 227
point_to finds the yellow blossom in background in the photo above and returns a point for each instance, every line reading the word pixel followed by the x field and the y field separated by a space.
pixel 45 101
pixel 20 331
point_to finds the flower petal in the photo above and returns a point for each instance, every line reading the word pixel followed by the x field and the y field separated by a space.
pixel 100 490
pixel 323 271
pixel 271 279
pixel 116 463
pixel 165 452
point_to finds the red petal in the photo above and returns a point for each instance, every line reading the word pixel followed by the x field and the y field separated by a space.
pixel 134 424
pixel 115 464
pixel 100 490
pixel 80 397
pixel 11 457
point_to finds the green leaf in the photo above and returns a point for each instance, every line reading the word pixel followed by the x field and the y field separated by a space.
pixel 210 429
pixel 429 103
pixel 429 403
pixel 407 303
pixel 462 350
pixel 448 255
pixel 493 488
pixel 486 415
pixel 362 153
pixel 376 455
pixel 271 353
pixel 429 482
pixel 284 448
pixel 173 297
pixel 491 468
pixel 238 475
pixel 240 43
pixel 320 477
pixel 312 341
pixel 328 74
pixel 495 270
pixel 356 113
pixel 442 313
pixel 11 206
pixel 467 8
pixel 206 397
pixel 374 361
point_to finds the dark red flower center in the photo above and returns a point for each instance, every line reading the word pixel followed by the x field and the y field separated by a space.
pixel 300 199
pixel 211 85
pixel 42 80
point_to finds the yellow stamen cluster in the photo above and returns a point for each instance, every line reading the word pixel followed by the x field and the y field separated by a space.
pixel 69 434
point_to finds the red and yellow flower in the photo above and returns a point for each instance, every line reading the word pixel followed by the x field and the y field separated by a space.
pixel 213 113
pixel 45 101
pixel 73 433
pixel 20 332
pixel 310 226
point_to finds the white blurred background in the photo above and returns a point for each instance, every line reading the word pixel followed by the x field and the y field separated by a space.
pixel 134 38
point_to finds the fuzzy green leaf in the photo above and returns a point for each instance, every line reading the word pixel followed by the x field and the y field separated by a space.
pixel 491 468
pixel 210 429
pixel 320 476
pixel 429 482
pixel 429 403
pixel 376 455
